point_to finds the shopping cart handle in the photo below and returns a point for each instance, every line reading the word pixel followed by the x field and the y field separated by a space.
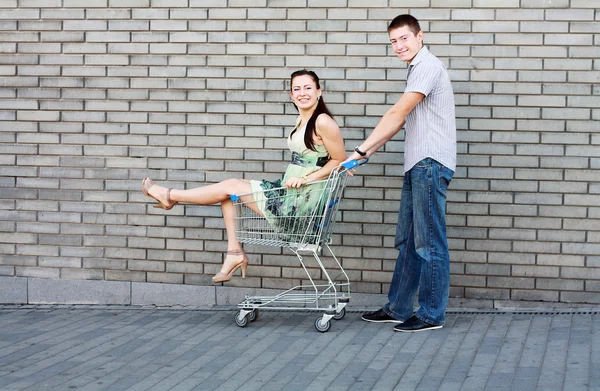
pixel 353 163
pixel 234 198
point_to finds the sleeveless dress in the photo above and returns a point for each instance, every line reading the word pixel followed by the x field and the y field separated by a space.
pixel 279 205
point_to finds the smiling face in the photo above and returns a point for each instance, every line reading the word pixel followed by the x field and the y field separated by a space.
pixel 305 93
pixel 405 43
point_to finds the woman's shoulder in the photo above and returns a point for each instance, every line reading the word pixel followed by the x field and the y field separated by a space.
pixel 325 122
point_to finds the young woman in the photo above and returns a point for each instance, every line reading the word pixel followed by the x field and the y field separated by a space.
pixel 317 147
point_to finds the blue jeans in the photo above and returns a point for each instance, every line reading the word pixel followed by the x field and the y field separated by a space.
pixel 424 260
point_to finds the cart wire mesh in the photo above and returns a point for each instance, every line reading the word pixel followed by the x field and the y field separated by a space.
pixel 312 228
pixel 307 231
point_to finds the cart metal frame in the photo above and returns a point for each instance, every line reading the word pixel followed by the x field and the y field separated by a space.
pixel 310 233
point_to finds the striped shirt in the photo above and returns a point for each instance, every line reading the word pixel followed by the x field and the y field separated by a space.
pixel 431 125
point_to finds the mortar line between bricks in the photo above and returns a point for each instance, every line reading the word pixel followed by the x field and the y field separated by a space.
pixel 474 352
pixel 595 362
pixel 261 379
pixel 200 373
pixel 208 334
pixel 322 349
pixel 277 374
pixel 546 368
pixel 140 353
pixel 429 355
pixel 97 343
pixel 523 343
pixel 159 367
pixel 567 357
pixel 335 370
pixel 532 335
pixel 247 383
pixel 216 374
pixel 451 329
pixel 51 334
pixel 334 344
pixel 192 367
pixel 381 337
pixel 497 354
pixel 18 316
pixel 239 372
pixel 544 351
pixel 69 348
pixel 570 349
pixel 458 348
pixel 43 359
pixel 409 339
pixel 391 357
pixel 103 351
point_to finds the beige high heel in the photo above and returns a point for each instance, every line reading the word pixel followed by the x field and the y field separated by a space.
pixel 147 183
pixel 222 277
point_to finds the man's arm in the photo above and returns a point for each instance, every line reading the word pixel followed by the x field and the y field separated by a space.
pixel 390 124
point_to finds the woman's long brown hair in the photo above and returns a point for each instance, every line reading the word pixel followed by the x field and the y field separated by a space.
pixel 320 109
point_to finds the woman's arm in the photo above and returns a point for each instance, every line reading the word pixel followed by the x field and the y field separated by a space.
pixel 331 135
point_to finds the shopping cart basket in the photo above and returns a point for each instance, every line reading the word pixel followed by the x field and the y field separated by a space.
pixel 308 232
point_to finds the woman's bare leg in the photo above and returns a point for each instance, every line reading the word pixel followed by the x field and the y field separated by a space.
pixel 228 209
pixel 232 244
pixel 205 195
pixel 212 194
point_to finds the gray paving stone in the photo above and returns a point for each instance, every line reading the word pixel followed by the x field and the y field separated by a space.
pixel 459 371
pixel 88 348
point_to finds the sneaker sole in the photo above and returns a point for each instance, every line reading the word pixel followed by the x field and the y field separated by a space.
pixel 382 321
pixel 423 329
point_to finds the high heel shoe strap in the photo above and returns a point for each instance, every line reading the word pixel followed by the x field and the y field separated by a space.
pixel 169 201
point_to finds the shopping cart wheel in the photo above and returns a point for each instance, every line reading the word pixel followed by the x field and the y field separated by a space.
pixel 320 327
pixel 240 320
pixel 340 315
pixel 252 316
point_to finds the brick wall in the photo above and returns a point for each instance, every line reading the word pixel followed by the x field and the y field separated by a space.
pixel 194 91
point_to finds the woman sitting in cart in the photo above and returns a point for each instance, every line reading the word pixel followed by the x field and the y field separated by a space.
pixel 317 147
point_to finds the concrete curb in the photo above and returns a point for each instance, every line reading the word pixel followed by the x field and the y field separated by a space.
pixel 36 291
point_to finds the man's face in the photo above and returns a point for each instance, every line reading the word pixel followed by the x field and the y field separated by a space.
pixel 405 43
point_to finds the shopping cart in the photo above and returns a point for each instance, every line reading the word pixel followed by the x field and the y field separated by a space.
pixel 309 232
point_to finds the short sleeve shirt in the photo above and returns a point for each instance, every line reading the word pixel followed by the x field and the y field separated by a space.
pixel 431 125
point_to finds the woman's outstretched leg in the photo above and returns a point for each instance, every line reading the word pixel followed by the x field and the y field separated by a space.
pixel 208 195
pixel 205 195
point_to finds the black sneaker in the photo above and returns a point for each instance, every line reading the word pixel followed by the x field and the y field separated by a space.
pixel 415 324
pixel 379 317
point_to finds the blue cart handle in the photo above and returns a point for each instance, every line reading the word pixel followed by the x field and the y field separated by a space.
pixel 347 165
pixel 350 164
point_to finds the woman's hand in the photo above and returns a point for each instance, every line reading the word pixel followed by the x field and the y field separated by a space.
pixel 352 156
pixel 295 182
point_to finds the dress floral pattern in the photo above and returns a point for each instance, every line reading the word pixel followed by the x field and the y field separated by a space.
pixel 284 208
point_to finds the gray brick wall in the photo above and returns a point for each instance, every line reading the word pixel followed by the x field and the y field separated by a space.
pixel 193 91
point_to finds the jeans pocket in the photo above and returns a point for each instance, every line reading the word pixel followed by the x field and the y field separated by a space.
pixel 444 177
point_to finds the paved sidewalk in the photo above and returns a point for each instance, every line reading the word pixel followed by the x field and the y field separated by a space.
pixel 118 348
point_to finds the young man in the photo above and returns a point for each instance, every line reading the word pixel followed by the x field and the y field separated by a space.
pixel 427 110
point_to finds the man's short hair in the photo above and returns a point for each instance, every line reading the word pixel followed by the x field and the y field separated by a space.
pixel 405 20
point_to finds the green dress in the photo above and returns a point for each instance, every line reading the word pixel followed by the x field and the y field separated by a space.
pixel 292 211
